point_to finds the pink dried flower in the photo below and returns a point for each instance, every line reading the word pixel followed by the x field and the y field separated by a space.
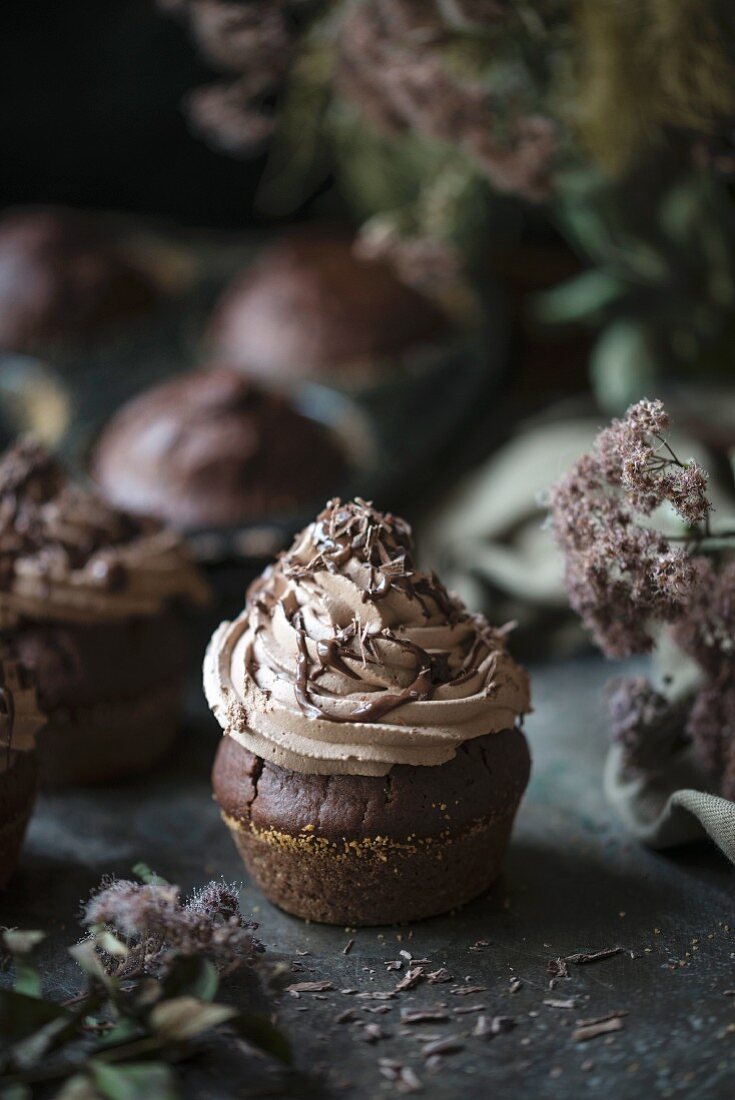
pixel 157 928
pixel 644 722
pixel 622 576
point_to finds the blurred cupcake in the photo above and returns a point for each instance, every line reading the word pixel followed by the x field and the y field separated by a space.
pixel 64 280
pixel 212 449
pixel 20 721
pixel 372 765
pixel 94 603
pixel 308 308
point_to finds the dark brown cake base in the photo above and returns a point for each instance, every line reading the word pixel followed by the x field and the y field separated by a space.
pixel 111 693
pixel 109 742
pixel 360 850
pixel 17 795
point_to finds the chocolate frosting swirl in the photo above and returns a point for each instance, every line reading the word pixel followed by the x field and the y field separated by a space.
pixel 65 554
pixel 347 659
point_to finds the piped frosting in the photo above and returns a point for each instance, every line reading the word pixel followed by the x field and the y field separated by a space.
pixel 347 659
pixel 66 554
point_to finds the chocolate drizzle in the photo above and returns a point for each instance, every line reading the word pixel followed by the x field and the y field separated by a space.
pixel 43 515
pixel 375 552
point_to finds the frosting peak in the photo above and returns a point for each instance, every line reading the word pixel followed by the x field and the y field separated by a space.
pixel 347 658
pixel 67 554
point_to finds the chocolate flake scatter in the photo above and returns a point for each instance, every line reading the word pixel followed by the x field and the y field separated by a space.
pixel 467 990
pixel 394 964
pixel 411 979
pixel 436 977
pixel 309 987
pixel 377 995
pixel 346 1017
pixel 603 1025
pixel 515 985
pixel 583 957
pixel 449 1044
pixel 423 1015
pixel 371 1033
pixel 348 947
pixel 558 1002
pixel 497 1025
pixel 465 1010
pixel 558 968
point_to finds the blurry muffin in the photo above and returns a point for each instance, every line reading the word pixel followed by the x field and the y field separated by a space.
pixel 20 721
pixel 372 764
pixel 63 280
pixel 94 603
pixel 210 449
pixel 308 308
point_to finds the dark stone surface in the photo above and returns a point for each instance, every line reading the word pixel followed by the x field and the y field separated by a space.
pixel 573 882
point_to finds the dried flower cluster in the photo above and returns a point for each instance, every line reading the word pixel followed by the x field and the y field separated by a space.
pixel 393 62
pixel 156 927
pixel 624 577
pixel 253 43
pixel 391 58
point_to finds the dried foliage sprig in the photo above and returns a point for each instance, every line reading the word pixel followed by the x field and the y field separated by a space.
pixel 626 578
pixel 152 968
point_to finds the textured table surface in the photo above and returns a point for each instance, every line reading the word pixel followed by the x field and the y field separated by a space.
pixel 573 883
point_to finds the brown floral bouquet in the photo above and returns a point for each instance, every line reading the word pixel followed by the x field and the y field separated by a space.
pixel 631 575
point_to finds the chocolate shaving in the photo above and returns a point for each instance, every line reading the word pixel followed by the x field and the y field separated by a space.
pixel 590 1029
pixel 452 1044
pixel 557 968
pixel 412 978
pixel 310 987
pixel 436 977
pixel 423 1015
pixel 488 1028
pixel 583 957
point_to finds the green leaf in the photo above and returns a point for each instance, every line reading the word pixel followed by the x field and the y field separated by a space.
pixel 623 366
pixel 22 1015
pixel 110 943
pixel 85 955
pixel 21 945
pixel 584 298
pixel 149 877
pixel 135 1081
pixel 191 975
pixel 20 942
pixel 185 1017
pixel 262 1033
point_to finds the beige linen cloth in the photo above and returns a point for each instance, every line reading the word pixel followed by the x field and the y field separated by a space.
pixel 488 543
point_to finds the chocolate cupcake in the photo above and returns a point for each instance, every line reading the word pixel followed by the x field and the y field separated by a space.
pixel 20 721
pixel 309 308
pixel 94 603
pixel 63 280
pixel 371 766
pixel 211 449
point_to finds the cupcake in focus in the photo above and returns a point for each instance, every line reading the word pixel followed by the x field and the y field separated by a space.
pixel 95 605
pixel 372 763
pixel 63 281
pixel 213 449
pixel 308 308
pixel 20 721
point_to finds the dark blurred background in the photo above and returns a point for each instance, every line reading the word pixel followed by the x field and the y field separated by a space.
pixel 91 115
